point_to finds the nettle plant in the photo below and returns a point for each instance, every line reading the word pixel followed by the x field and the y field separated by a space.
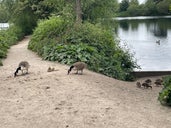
pixel 165 94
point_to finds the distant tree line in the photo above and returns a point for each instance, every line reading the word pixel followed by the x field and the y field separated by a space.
pixel 88 10
pixel 149 8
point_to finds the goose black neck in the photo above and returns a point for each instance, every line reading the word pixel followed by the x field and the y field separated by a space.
pixel 70 69
pixel 15 74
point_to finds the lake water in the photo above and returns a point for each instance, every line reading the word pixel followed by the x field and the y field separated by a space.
pixel 140 34
pixel 4 26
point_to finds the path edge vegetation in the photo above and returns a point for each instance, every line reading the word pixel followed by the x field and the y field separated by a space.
pixel 165 94
pixel 8 38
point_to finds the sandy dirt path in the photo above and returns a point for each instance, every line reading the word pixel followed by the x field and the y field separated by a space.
pixel 44 99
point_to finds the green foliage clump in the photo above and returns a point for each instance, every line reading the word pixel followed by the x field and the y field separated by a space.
pixel 7 38
pixel 70 53
pixel 114 61
pixel 149 8
pixel 58 40
pixel 165 94
pixel 52 28
pixel 123 6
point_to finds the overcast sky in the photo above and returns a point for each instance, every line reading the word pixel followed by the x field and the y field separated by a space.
pixel 140 1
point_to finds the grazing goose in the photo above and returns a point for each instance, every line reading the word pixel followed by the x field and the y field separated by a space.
pixel 79 66
pixel 23 65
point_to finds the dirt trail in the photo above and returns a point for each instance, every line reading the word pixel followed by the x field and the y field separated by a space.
pixel 44 99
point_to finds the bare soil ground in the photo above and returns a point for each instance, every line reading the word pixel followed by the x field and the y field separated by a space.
pixel 44 99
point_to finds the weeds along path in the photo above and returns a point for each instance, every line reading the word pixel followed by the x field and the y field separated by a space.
pixel 44 99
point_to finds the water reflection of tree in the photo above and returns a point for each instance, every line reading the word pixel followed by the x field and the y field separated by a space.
pixel 124 25
pixel 158 27
pixel 162 25
pixel 160 32
pixel 134 25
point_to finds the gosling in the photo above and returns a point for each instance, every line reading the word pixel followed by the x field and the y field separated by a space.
pixel 138 85
pixel 158 82
pixel 50 69
pixel 79 66
pixel 23 65
pixel 148 81
pixel 146 85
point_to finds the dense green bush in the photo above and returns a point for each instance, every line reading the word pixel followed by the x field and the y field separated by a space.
pixel 52 28
pixel 58 40
pixel 165 94
pixel 149 8
pixel 68 54
pixel 7 38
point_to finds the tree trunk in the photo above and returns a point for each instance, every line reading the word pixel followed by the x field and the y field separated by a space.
pixel 78 11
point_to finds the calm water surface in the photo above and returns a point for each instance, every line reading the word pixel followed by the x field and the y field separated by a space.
pixel 140 35
pixel 4 26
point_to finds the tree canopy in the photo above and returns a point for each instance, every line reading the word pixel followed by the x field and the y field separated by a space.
pixel 20 11
pixel 149 8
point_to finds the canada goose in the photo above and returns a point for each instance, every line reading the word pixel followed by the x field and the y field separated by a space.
pixel 23 65
pixel 146 85
pixel 78 66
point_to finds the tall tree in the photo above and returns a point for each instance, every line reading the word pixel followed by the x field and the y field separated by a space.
pixel 78 11
pixel 7 8
pixel 157 1
pixel 134 2
pixel 151 8
pixel 163 7
pixel 93 10
pixel 124 5
pixel 133 8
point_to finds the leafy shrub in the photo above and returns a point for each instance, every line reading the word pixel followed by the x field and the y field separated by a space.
pixel 114 61
pixel 1 64
pixel 165 94
pixel 52 28
pixel 7 38
pixel 11 35
pixel 68 54
pixel 58 40
pixel 2 54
